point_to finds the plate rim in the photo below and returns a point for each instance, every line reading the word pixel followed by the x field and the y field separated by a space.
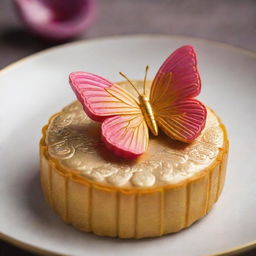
pixel 36 249
pixel 155 35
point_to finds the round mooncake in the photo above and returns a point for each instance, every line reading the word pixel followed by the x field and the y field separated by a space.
pixel 166 189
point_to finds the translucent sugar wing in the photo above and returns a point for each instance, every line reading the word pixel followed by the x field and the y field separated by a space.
pixel 182 120
pixel 177 78
pixel 127 135
pixel 101 98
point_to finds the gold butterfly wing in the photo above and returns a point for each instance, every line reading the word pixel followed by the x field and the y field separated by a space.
pixel 172 94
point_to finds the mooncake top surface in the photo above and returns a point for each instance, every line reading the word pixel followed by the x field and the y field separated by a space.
pixel 75 141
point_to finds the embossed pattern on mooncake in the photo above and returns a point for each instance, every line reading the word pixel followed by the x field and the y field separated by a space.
pixel 74 140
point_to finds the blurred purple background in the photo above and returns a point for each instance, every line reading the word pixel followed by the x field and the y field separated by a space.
pixel 229 21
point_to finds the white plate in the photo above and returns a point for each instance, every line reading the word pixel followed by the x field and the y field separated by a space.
pixel 36 87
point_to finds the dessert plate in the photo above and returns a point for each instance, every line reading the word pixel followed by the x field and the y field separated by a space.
pixel 34 88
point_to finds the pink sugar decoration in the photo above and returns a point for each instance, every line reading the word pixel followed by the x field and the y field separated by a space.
pixel 124 126
pixel 179 115
pixel 126 135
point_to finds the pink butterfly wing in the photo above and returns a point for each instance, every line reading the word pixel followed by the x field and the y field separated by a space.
pixel 176 83
pixel 101 98
pixel 126 135
pixel 124 130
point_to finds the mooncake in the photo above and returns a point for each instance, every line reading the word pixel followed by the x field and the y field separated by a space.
pixel 172 185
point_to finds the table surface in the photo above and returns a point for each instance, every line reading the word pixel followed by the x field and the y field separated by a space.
pixel 232 22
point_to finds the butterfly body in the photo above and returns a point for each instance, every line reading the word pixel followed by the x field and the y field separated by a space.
pixel 126 119
pixel 148 114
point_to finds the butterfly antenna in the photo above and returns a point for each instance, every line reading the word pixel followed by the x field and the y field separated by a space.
pixel 145 78
pixel 123 75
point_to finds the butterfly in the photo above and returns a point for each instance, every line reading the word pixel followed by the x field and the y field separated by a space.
pixel 126 119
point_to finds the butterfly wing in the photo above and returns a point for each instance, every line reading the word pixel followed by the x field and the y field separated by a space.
pixel 124 129
pixel 176 83
pixel 126 135
pixel 101 98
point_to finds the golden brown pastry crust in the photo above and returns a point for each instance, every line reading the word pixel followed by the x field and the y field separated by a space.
pixel 130 212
